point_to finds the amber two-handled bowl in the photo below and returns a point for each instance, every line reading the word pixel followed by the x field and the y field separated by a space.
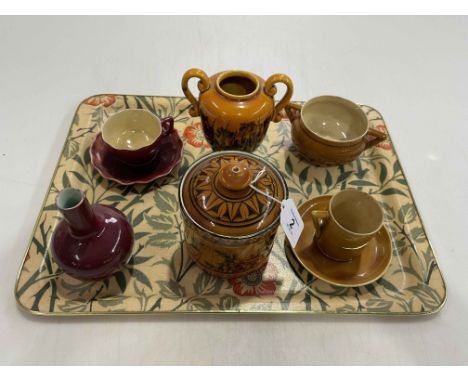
pixel 330 130
pixel 236 106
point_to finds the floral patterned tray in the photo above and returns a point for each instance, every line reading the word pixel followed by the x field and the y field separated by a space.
pixel 161 278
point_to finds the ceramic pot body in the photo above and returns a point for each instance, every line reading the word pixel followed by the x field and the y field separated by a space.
pixel 350 222
pixel 331 130
pixel 92 241
pixel 236 107
pixel 134 136
pixel 230 227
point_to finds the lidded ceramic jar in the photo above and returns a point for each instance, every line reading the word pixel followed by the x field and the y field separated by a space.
pixel 236 106
pixel 229 226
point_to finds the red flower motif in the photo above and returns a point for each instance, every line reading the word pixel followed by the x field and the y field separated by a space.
pixel 386 145
pixel 106 100
pixel 194 135
pixel 258 283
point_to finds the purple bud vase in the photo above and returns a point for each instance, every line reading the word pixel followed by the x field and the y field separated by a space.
pixel 92 241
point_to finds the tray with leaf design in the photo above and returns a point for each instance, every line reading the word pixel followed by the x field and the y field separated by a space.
pixel 161 278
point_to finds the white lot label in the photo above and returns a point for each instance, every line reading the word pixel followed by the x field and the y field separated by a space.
pixel 291 221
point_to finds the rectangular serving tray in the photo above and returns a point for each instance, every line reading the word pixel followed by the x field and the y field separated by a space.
pixel 161 278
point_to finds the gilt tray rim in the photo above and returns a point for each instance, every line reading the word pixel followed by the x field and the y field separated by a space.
pixel 217 311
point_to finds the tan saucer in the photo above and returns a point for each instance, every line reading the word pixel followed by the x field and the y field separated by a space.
pixel 369 267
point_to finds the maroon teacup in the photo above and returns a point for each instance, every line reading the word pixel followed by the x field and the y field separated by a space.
pixel 134 135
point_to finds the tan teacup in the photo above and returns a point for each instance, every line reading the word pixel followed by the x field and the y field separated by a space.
pixel 330 130
pixel 352 219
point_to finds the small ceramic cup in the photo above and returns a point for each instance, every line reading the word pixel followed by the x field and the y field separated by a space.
pixel 352 219
pixel 134 135
pixel 330 130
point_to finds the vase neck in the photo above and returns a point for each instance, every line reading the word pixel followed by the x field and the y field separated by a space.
pixel 77 211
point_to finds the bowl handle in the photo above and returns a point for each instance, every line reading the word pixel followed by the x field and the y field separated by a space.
pixel 270 89
pixel 377 135
pixel 293 111
pixel 203 85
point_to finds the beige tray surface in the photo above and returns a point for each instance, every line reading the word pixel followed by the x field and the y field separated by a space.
pixel 161 278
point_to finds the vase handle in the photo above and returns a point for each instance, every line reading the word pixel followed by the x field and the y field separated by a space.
pixel 270 89
pixel 203 85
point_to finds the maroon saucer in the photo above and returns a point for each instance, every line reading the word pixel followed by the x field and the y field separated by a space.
pixel 111 168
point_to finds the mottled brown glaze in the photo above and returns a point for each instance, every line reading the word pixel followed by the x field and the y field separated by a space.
pixel 229 227
pixel 327 151
pixel 236 107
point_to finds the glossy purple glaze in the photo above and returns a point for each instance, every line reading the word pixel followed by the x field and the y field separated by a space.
pixel 145 155
pixel 91 242
pixel 170 154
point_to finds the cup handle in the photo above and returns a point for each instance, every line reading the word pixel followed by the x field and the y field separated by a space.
pixel 167 125
pixel 203 85
pixel 378 137
pixel 270 89
pixel 293 111
pixel 319 218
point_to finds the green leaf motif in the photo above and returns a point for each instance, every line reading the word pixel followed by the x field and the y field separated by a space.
pixel 163 239
pixel 165 201
pixel 201 304
pixel 388 211
pixel 141 277
pixel 71 148
pixel 159 222
pixel 113 301
pixel 318 185
pixel 383 173
pixel 171 289
pixel 392 191
pixel 378 305
pixel 347 308
pixel 65 181
pixel 137 260
pixel 428 296
pixel 288 166
pixel 303 175
pixel 121 280
pixel 343 176
pixel 139 235
pixel 114 198
pixel 396 167
pixel 388 285
pixel 206 284
pixel 228 302
pixel 407 214
pixel 362 183
pixel 417 234
pixel 328 179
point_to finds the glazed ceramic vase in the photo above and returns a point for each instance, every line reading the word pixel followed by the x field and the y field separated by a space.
pixel 229 226
pixel 92 241
pixel 236 106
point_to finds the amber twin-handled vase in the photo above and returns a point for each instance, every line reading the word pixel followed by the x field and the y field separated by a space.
pixel 236 106
pixel 92 241
pixel 330 130
pixel 230 226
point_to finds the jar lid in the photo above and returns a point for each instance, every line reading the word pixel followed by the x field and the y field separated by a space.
pixel 215 194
